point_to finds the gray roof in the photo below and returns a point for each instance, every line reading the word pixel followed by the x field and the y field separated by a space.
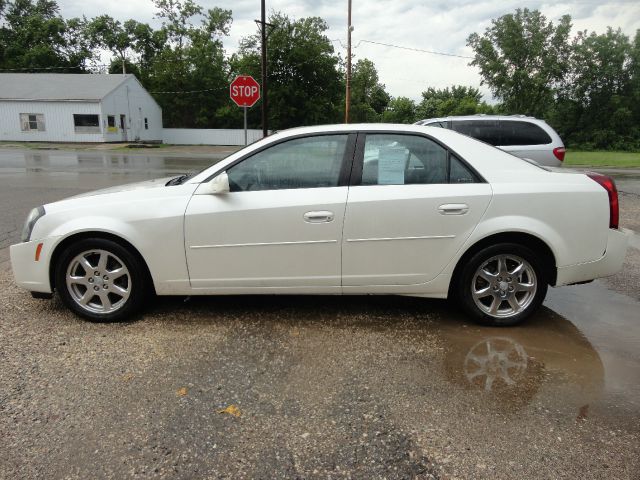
pixel 58 86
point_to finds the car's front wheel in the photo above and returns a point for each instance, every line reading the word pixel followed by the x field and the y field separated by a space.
pixel 502 284
pixel 100 280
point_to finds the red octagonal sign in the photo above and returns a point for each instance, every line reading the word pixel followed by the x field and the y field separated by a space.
pixel 244 91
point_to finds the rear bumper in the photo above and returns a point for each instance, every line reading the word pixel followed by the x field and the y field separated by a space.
pixel 28 273
pixel 609 264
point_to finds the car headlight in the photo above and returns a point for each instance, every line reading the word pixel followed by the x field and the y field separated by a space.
pixel 33 217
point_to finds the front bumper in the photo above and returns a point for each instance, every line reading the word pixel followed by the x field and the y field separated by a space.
pixel 28 272
pixel 609 264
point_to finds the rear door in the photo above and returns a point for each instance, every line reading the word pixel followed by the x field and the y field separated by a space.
pixel 411 206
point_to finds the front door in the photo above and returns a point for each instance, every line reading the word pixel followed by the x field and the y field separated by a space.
pixel 411 206
pixel 280 227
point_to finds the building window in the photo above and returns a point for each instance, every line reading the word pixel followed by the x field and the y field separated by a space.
pixel 146 123
pixel 32 122
pixel 86 123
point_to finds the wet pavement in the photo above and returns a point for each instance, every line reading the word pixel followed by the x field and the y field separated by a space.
pixel 331 387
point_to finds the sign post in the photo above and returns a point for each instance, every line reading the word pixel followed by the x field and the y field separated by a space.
pixel 245 92
pixel 245 124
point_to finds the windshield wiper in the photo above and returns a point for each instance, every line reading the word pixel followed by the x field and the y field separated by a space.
pixel 177 180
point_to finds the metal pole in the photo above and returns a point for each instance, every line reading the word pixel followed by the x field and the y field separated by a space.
pixel 245 125
pixel 348 92
pixel 263 33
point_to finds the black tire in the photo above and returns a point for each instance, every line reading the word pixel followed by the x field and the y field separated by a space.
pixel 471 280
pixel 136 282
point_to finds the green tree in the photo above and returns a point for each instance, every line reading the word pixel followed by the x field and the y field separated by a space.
pixel 595 109
pixel 305 87
pixel 185 62
pixel 523 58
pixel 369 98
pixel 457 100
pixel 634 86
pixel 119 38
pixel 400 110
pixel 33 36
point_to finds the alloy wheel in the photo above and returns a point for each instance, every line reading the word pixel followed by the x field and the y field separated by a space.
pixel 504 286
pixel 98 281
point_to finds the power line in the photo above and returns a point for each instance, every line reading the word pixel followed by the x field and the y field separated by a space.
pixel 40 68
pixel 432 52
pixel 188 91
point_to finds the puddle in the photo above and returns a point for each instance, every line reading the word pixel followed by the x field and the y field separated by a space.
pixel 579 350
pixel 157 164
pixel 537 363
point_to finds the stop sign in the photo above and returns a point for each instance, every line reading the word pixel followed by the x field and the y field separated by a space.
pixel 244 91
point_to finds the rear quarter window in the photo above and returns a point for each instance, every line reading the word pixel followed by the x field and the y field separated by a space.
pixel 522 133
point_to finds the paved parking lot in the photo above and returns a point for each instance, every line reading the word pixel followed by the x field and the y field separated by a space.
pixel 309 387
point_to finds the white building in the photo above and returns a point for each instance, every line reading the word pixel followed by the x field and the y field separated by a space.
pixel 64 107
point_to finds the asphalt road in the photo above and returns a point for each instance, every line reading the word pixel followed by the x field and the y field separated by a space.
pixel 308 387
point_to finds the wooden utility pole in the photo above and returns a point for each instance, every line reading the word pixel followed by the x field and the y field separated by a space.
pixel 347 102
pixel 263 36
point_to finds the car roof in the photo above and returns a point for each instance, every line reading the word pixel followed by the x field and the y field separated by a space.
pixel 482 116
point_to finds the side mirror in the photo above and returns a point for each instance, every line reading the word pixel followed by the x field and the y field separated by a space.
pixel 218 185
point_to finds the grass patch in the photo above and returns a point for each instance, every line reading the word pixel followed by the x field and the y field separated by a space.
pixel 602 159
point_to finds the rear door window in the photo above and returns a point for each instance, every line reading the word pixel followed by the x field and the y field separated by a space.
pixel 522 133
pixel 396 159
pixel 487 131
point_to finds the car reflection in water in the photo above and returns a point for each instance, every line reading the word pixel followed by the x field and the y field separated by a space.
pixel 498 360
pixel 547 359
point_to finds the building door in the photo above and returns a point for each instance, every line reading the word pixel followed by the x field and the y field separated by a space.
pixel 123 127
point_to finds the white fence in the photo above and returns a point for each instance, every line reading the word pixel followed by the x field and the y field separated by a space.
pixel 208 136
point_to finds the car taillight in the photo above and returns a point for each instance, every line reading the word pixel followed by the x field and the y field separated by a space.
pixel 610 186
pixel 559 153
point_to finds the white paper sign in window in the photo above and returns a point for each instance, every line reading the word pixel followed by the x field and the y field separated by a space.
pixel 391 165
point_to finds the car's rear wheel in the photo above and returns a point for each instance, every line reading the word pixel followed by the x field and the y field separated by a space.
pixel 100 280
pixel 502 285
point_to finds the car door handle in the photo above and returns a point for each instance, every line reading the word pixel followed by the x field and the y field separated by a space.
pixel 322 216
pixel 453 209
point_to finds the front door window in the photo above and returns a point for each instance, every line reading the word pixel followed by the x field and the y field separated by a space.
pixel 312 162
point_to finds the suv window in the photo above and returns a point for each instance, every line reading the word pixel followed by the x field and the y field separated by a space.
pixel 311 162
pixel 394 159
pixel 523 133
pixel 488 131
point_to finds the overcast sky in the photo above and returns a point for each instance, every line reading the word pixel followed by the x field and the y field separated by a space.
pixel 436 25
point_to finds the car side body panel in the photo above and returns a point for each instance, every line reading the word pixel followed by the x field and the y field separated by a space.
pixel 261 240
pixel 152 223
pixel 399 234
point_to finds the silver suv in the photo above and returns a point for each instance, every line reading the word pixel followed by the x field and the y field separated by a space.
pixel 526 137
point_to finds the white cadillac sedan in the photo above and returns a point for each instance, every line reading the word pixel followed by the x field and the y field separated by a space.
pixel 344 209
